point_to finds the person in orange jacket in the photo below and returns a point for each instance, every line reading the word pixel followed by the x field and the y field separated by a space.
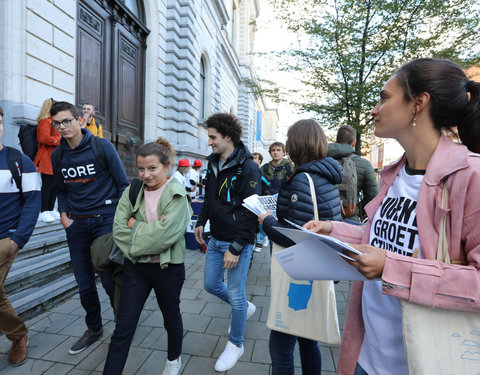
pixel 88 121
pixel 48 138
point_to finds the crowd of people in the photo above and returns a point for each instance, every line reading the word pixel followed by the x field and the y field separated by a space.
pixel 394 225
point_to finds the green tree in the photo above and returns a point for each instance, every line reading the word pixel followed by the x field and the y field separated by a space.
pixel 347 49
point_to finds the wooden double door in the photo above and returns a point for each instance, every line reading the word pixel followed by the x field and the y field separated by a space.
pixel 111 44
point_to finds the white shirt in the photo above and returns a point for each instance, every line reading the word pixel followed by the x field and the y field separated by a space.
pixel 394 228
pixel 180 177
pixel 192 175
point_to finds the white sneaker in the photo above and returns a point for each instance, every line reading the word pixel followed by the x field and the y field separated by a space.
pixel 46 217
pixel 251 308
pixel 173 367
pixel 265 241
pixel 229 357
pixel 55 215
pixel 257 249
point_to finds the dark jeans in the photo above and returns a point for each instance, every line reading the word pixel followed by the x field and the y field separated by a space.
pixel 359 370
pixel 80 235
pixel 138 281
pixel 48 192
pixel 281 347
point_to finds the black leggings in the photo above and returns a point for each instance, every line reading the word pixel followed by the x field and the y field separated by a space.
pixel 48 192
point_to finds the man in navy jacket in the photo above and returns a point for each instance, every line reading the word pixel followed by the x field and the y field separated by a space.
pixel 232 176
pixel 88 193
pixel 19 212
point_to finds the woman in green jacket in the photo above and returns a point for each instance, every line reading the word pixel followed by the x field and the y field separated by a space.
pixel 151 236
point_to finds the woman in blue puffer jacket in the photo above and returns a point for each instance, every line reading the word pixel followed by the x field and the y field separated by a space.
pixel 307 147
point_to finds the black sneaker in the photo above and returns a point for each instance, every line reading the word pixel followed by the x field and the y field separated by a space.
pixel 85 341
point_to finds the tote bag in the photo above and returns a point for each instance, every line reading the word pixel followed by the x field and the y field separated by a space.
pixel 439 341
pixel 305 308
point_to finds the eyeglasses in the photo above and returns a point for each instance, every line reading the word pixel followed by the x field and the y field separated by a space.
pixel 66 123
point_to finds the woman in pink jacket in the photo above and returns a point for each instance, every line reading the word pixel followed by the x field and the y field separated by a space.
pixel 399 242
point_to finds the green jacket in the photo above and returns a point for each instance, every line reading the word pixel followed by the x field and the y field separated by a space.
pixel 277 175
pixel 366 177
pixel 165 237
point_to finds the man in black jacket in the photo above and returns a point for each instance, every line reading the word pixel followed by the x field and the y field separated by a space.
pixel 232 176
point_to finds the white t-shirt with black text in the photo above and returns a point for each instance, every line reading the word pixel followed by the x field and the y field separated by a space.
pixel 394 228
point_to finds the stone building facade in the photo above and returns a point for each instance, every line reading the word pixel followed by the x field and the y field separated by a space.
pixel 151 67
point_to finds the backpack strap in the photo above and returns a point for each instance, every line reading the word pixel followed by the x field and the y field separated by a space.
pixel 135 187
pixel 265 181
pixel 99 152
pixel 56 159
pixel 232 181
pixel 15 165
pixel 288 170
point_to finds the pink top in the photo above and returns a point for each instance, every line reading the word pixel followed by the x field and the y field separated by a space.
pixel 425 281
pixel 151 202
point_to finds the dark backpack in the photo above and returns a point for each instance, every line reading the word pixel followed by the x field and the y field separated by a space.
pixel 97 148
pixel 348 187
pixel 27 134
pixel 135 187
pixel 15 165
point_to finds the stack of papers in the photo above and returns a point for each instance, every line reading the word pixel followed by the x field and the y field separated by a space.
pixel 316 256
pixel 260 204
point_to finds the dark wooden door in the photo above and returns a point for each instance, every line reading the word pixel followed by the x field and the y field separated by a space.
pixel 129 89
pixel 111 43
pixel 93 59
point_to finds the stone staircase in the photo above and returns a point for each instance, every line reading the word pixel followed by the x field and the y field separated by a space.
pixel 41 274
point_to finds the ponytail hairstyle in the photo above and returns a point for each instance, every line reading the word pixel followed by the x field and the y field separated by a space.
pixel 161 148
pixel 454 98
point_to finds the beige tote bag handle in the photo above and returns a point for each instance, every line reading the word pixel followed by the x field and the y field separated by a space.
pixel 442 250
pixel 314 196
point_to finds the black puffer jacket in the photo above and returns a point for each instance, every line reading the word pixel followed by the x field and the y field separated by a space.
pixel 294 199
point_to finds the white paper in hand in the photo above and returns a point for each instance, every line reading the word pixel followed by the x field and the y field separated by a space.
pixel 312 260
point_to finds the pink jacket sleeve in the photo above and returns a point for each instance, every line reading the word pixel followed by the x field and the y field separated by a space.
pixel 348 233
pixel 432 283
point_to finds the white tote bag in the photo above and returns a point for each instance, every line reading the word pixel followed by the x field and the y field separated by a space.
pixel 302 308
pixel 439 341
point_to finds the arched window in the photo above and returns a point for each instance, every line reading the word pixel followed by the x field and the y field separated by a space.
pixel 203 82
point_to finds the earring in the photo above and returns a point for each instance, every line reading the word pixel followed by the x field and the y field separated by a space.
pixel 414 123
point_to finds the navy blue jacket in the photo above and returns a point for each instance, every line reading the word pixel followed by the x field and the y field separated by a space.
pixel 294 198
pixel 84 187
pixel 19 211
pixel 225 191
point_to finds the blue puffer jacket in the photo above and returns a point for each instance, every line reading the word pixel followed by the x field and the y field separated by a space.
pixel 295 202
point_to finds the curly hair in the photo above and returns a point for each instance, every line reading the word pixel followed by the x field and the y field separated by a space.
pixel 227 125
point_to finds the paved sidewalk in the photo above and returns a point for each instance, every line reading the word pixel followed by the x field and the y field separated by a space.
pixel 205 321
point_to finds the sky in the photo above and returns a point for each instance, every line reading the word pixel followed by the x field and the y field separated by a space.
pixel 271 37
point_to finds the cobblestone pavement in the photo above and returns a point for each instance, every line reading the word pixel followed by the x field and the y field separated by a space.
pixel 205 321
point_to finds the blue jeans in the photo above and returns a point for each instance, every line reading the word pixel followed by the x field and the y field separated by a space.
pixel 138 281
pixel 281 347
pixel 232 293
pixel 80 235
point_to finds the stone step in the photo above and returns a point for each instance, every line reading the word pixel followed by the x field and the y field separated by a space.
pixel 42 243
pixel 34 300
pixel 42 227
pixel 30 272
